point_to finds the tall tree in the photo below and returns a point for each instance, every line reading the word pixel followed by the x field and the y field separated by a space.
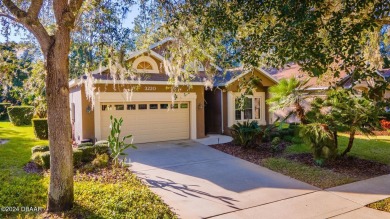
pixel 52 22
pixel 320 35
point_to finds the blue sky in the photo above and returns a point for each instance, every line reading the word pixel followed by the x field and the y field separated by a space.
pixel 128 22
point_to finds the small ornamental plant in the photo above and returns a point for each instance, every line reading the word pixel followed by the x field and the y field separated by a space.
pixel 385 124
pixel 116 144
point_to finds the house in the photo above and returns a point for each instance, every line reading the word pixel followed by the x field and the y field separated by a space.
pixel 318 86
pixel 152 112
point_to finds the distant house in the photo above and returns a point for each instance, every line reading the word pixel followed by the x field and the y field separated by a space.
pixel 147 107
pixel 318 86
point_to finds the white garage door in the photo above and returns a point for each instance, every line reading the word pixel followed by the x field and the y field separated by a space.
pixel 148 121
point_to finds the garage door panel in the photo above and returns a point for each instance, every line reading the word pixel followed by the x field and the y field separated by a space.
pixel 149 125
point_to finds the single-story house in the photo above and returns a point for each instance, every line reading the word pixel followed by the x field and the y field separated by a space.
pixel 318 86
pixel 147 107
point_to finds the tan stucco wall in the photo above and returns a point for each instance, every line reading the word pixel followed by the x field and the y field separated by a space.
pixel 88 118
pixel 234 87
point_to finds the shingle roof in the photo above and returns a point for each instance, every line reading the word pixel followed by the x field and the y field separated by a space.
pixel 143 77
pixel 294 70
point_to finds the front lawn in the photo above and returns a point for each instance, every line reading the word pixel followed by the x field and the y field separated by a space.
pixel 375 148
pixel 368 158
pixel 110 193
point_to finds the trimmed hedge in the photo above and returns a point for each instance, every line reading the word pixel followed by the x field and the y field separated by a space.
pixel 81 145
pixel 39 148
pixel 41 129
pixel 20 115
pixel 88 153
pixel 77 157
pixel 45 157
pixel 3 110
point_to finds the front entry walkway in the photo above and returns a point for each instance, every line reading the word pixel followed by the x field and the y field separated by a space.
pixel 198 181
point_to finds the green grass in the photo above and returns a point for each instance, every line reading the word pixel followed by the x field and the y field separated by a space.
pixel 383 205
pixel 373 148
pixel 18 188
pixel 376 148
pixel 126 198
pixel 315 176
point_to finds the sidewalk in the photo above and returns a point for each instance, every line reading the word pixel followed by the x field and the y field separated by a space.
pixel 346 201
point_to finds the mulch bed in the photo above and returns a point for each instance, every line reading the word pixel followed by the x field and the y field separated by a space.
pixel 32 167
pixel 351 166
pixel 253 155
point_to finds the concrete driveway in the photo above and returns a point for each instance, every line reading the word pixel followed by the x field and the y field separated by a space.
pixel 198 181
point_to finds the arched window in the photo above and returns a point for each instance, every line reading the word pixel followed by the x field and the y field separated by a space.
pixel 144 66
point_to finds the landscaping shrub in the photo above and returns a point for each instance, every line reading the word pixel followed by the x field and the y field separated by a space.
pixel 36 158
pixel 39 148
pixel 3 111
pixel 41 129
pixel 88 153
pixel 100 161
pixel 45 157
pixel 385 124
pixel 296 140
pixel 101 149
pixel 275 145
pixel 246 133
pixel 77 155
pixel 287 138
pixel 81 145
pixel 20 115
pixel 320 138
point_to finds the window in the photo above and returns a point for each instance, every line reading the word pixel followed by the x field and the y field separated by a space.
pixel 174 106
pixel 130 106
pixel 142 106
pixel 184 105
pixel 153 106
pixel 144 66
pixel 104 107
pixel 119 107
pixel 251 109
pixel 164 106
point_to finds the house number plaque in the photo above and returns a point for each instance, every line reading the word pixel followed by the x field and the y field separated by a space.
pixel 150 88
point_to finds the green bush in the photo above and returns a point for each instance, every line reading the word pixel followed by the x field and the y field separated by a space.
pixel 287 138
pixel 246 133
pixel 88 153
pixel 275 144
pixel 39 148
pixel 77 155
pixel 20 115
pixel 36 158
pixel 45 157
pixel 85 144
pixel 41 129
pixel 3 111
pixel 296 140
pixel 101 149
pixel 320 138
pixel 100 161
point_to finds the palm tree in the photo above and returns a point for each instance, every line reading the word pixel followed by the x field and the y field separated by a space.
pixel 288 93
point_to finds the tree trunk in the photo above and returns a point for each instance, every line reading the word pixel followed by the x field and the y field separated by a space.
pixel 60 196
pixel 300 113
pixel 335 138
pixel 350 142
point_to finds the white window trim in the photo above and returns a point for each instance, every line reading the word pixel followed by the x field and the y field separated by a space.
pixel 232 105
pixel 149 60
